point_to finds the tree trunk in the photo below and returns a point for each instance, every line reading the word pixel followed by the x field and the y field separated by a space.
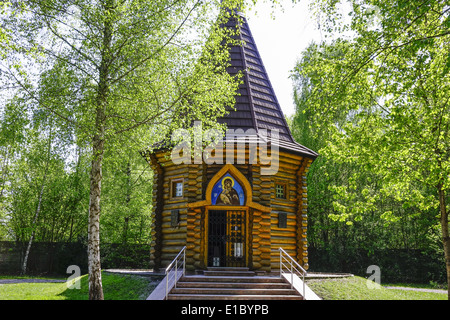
pixel 125 231
pixel 33 233
pixel 127 201
pixel 98 147
pixel 38 209
pixel 95 275
pixel 4 172
pixel 445 234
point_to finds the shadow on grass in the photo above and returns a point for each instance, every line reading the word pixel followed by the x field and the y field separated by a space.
pixel 115 287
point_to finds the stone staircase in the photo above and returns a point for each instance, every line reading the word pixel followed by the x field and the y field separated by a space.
pixel 232 284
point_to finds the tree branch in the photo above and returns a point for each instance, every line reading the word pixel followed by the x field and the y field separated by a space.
pixel 141 62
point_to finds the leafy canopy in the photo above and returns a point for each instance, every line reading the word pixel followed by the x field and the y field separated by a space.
pixel 382 90
pixel 163 59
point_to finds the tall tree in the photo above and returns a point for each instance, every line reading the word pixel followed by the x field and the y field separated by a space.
pixel 39 202
pixel 13 120
pixel 393 86
pixel 119 72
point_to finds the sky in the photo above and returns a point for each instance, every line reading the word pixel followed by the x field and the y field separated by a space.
pixel 280 41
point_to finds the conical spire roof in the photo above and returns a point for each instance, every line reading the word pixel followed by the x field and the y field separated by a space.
pixel 256 105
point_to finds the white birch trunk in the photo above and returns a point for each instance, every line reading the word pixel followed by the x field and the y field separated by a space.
pixel 95 276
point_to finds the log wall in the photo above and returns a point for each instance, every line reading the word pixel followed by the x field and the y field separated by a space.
pixel 265 235
pixel 302 214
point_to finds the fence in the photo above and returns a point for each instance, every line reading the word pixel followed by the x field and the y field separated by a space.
pixel 54 258
pixel 396 265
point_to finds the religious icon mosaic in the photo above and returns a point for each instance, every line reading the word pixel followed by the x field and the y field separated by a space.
pixel 228 191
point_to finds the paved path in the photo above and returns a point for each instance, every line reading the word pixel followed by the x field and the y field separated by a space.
pixel 136 272
pixel 418 289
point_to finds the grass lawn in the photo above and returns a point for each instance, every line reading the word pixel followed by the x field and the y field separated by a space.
pixel 355 288
pixel 130 287
pixel 115 287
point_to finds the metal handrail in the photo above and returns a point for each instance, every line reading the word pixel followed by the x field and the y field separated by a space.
pixel 292 266
pixel 180 256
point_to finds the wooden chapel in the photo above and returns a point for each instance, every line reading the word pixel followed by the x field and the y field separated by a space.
pixel 234 214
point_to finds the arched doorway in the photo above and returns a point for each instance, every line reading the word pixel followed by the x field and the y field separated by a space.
pixel 226 219
pixel 225 228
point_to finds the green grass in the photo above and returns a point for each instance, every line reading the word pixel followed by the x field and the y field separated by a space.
pixel 32 291
pixel 129 287
pixel 115 287
pixel 355 288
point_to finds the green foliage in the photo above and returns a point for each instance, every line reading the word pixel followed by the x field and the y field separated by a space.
pixel 64 207
pixel 127 199
pixel 374 103
pixel 343 190
pixel 165 59
pixel 62 215
pixel 380 101
pixel 110 79
pixel 390 85
pixel 124 255
pixel 379 96
pixel 396 265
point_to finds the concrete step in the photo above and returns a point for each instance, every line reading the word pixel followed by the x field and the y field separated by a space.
pixel 233 291
pixel 232 284
pixel 232 297
pixel 258 279
pixel 228 271
pixel 234 273
pixel 250 285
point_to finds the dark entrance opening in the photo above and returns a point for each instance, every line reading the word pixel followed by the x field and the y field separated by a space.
pixel 217 233
pixel 226 238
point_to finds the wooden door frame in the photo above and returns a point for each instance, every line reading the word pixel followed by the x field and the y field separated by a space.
pixel 206 205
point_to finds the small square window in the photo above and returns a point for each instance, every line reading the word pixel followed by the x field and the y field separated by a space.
pixel 280 191
pixel 177 189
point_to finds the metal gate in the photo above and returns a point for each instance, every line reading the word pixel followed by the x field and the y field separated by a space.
pixel 226 238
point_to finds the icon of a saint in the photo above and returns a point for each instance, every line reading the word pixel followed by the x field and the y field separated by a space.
pixel 228 195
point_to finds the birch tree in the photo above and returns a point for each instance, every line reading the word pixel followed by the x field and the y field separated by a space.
pixel 39 202
pixel 119 72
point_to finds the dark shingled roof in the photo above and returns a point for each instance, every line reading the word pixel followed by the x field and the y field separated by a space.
pixel 256 105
